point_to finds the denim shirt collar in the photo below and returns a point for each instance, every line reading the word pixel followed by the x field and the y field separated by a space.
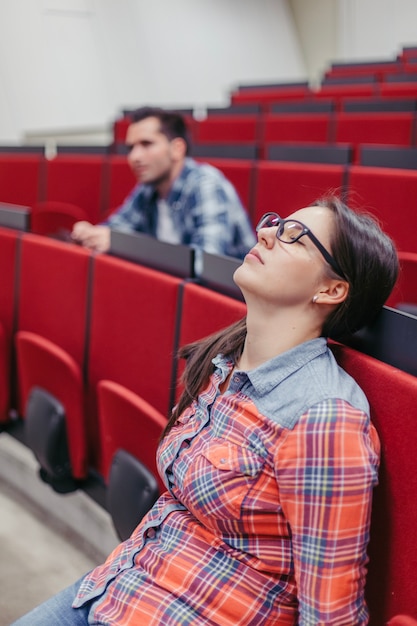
pixel 268 375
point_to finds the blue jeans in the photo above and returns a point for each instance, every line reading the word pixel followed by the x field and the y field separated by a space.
pixel 57 610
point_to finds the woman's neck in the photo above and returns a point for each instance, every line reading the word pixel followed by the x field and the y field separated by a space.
pixel 268 336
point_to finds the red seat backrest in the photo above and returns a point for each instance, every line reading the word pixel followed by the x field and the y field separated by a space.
pixel 204 312
pixel 9 242
pixel 405 290
pixel 391 584
pixel 21 178
pixel 391 128
pixel 285 187
pixel 132 331
pixel 391 195
pixel 264 95
pixel 77 179
pixel 129 423
pixel 51 334
pixel 228 128
pixel 120 182
pixel 302 127
pixel 53 292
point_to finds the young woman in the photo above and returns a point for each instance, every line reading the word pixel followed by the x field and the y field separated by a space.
pixel 269 459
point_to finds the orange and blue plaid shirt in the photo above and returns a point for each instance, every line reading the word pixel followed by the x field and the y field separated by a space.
pixel 266 516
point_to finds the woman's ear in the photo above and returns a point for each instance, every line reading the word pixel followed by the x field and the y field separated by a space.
pixel 335 292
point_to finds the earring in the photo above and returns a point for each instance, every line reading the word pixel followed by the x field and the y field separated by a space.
pixel 315 298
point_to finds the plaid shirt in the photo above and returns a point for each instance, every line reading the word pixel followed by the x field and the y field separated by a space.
pixel 266 517
pixel 206 212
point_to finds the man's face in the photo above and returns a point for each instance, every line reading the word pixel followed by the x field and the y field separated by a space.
pixel 152 155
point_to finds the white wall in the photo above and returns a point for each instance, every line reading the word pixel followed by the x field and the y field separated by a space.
pixel 376 29
pixel 76 63
pixel 73 64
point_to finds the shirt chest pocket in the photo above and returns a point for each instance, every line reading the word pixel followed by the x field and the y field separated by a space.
pixel 220 478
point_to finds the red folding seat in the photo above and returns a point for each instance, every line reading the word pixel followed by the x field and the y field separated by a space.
pixel 120 127
pixel 402 620
pixel 391 195
pixel 119 183
pixel 55 218
pixel 388 128
pixel 51 335
pixel 9 245
pixel 339 92
pixel 77 179
pixel 204 312
pixel 404 90
pixel 228 129
pixel 305 128
pixel 286 187
pixel 391 582
pixel 404 294
pixel 265 95
pixel 132 341
pixel 21 178
pixel 127 422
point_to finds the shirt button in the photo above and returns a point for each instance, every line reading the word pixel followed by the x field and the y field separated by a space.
pixel 151 533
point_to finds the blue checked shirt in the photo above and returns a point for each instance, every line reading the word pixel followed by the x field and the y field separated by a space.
pixel 205 209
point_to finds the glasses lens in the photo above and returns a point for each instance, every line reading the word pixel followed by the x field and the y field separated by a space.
pixel 269 220
pixel 290 231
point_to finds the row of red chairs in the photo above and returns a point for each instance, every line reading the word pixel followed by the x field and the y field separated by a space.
pixel 77 319
pixel 388 127
pixel 99 334
pixel 390 194
pixel 265 95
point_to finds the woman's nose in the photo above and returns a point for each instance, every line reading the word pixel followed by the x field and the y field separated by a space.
pixel 267 236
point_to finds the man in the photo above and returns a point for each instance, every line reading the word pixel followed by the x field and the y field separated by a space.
pixel 176 199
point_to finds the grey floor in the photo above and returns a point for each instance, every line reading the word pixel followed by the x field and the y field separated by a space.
pixel 47 540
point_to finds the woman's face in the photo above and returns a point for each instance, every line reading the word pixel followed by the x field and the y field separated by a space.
pixel 288 274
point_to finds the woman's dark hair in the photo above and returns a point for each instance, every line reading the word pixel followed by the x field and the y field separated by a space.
pixel 369 261
pixel 172 124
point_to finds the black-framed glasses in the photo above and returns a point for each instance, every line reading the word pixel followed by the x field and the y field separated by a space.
pixel 290 231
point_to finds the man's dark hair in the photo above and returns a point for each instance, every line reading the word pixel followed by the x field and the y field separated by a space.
pixel 172 123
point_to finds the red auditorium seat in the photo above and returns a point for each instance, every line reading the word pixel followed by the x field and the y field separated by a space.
pixel 204 312
pixel 21 178
pixel 120 127
pixel 402 620
pixel 404 90
pixel 228 128
pixel 77 179
pixel 127 422
pixel 55 218
pixel 9 243
pixel 286 187
pixel 392 396
pixel 388 128
pixel 120 182
pixel 306 127
pixel 51 335
pixel 405 290
pixel 391 195
pixel 339 92
pixel 266 95
pixel 132 332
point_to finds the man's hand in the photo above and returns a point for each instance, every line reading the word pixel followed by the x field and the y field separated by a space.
pixel 95 238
